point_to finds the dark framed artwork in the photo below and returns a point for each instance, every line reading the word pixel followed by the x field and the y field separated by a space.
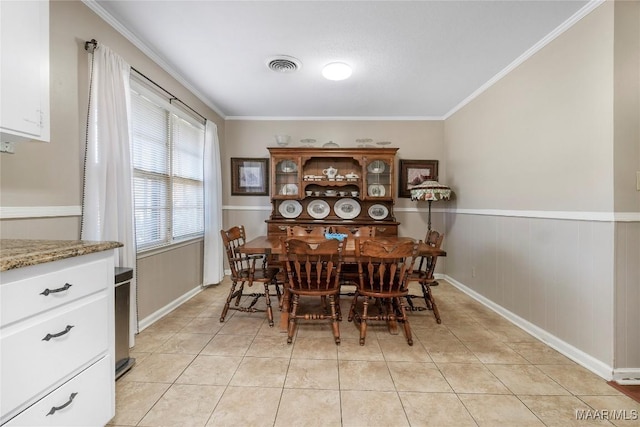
pixel 249 177
pixel 414 172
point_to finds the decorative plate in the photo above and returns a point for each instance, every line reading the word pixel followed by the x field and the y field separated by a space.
pixel 378 212
pixel 318 209
pixel 347 208
pixel 376 190
pixel 289 190
pixel 290 209
pixel 376 166
pixel 288 166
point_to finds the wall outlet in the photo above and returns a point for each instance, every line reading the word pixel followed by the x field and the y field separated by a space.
pixel 473 272
pixel 7 147
pixel 638 180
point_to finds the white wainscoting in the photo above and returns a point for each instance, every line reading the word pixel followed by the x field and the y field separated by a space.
pixel 557 278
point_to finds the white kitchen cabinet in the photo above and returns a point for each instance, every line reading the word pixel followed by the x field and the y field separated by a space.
pixel 57 353
pixel 24 70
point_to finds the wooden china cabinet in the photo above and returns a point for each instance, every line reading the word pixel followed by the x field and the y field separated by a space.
pixel 352 187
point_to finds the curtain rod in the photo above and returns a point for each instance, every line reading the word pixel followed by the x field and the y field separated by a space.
pixel 91 45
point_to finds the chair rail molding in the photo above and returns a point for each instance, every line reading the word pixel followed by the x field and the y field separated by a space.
pixel 569 215
pixel 245 208
pixel 23 212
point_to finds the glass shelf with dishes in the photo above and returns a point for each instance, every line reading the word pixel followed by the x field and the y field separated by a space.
pixel 378 178
pixel 286 178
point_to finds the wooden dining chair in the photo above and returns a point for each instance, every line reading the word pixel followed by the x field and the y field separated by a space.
pixel 298 230
pixel 313 270
pixel 350 269
pixel 423 274
pixel 383 269
pixel 246 270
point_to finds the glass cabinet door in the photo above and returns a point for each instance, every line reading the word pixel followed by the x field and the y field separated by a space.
pixel 378 182
pixel 286 178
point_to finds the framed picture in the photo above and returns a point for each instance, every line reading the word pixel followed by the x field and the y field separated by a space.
pixel 414 172
pixel 249 177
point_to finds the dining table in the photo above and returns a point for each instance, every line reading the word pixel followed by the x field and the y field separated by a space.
pixel 271 246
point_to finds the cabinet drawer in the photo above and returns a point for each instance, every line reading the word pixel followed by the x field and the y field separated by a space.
pixel 45 351
pixel 386 230
pixel 92 403
pixel 24 298
pixel 278 229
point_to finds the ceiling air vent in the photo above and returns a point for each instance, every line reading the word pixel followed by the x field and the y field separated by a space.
pixel 283 64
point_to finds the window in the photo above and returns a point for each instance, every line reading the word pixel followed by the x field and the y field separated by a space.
pixel 168 146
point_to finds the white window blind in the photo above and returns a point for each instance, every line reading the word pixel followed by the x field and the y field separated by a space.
pixel 168 148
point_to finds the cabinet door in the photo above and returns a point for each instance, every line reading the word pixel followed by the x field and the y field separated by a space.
pixel 24 75
pixel 378 182
pixel 286 178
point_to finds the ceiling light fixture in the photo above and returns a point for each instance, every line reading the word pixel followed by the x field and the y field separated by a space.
pixel 336 71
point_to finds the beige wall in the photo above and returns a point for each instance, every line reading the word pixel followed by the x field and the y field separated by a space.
pixel 543 139
pixel 626 196
pixel 250 138
pixel 626 105
pixel 50 174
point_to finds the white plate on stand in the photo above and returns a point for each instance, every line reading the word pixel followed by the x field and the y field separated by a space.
pixel 290 209
pixel 288 166
pixel 318 209
pixel 347 208
pixel 289 190
pixel 376 190
pixel 377 166
pixel 378 212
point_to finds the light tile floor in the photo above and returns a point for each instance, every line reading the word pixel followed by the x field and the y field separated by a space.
pixel 474 369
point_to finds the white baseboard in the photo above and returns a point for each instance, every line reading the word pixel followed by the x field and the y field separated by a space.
pixel 587 361
pixel 153 317
pixel 627 376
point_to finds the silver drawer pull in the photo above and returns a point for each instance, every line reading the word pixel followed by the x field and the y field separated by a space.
pixel 381 229
pixel 57 408
pixel 53 291
pixel 282 227
pixel 59 334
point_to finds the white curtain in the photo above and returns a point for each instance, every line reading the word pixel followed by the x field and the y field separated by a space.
pixel 213 268
pixel 107 208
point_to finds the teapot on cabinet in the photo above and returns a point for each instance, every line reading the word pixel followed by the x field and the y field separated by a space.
pixel 330 172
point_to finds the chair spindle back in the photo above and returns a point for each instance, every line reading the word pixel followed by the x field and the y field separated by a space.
pixel 232 239
pixel 385 267
pixel 313 265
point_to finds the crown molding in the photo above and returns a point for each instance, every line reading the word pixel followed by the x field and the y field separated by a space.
pixel 111 20
pixel 584 11
pixel 336 118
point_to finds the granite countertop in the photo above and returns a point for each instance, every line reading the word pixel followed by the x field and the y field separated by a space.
pixel 16 253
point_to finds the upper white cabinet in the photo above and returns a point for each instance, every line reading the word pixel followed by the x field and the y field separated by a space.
pixel 24 70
